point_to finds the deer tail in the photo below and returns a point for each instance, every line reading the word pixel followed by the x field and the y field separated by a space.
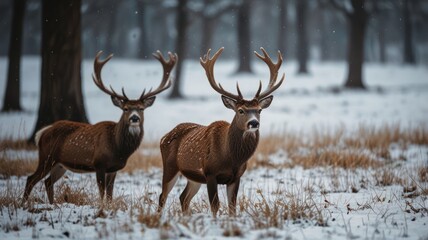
pixel 39 134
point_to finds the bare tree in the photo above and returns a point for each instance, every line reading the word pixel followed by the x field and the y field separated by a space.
pixel 302 36
pixel 244 37
pixel 143 50
pixel 61 87
pixel 210 14
pixel 357 17
pixel 283 26
pixel 182 21
pixel 11 101
pixel 408 54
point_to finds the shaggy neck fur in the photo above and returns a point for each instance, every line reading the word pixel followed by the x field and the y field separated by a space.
pixel 126 142
pixel 242 144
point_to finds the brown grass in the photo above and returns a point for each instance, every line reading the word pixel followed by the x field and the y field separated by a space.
pixel 365 147
pixel 17 167
pixel 78 196
pixel 361 148
pixel 294 206
pixel 9 143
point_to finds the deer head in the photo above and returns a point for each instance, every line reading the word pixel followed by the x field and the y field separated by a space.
pixel 133 109
pixel 247 112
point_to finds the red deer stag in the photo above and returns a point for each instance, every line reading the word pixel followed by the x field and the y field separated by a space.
pixel 217 153
pixel 103 148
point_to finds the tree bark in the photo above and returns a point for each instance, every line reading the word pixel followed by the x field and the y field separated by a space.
pixel 302 36
pixel 111 40
pixel 180 47
pixel 208 27
pixel 357 28
pixel 244 38
pixel 11 101
pixel 143 50
pixel 61 87
pixel 409 54
pixel 325 53
pixel 283 26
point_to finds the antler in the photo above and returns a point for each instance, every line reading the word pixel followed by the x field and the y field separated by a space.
pixel 96 76
pixel 273 67
pixel 208 64
pixel 166 80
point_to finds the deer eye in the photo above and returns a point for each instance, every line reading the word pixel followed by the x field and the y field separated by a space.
pixel 260 111
pixel 241 111
pixel 141 109
pixel 125 109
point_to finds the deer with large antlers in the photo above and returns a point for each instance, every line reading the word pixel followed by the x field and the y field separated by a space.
pixel 217 153
pixel 103 148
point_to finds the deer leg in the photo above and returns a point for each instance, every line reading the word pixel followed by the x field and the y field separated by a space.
pixel 110 184
pixel 101 182
pixel 168 181
pixel 186 196
pixel 213 194
pixel 232 193
pixel 42 170
pixel 56 173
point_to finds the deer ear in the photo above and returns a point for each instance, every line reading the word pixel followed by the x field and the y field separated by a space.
pixel 228 102
pixel 265 102
pixel 149 101
pixel 117 102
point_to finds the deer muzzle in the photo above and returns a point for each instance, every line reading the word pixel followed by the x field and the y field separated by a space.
pixel 253 125
pixel 134 119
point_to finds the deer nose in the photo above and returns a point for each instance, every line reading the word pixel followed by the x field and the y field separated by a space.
pixel 253 124
pixel 134 119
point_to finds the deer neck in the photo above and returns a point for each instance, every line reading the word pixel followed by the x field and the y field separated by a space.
pixel 126 139
pixel 241 143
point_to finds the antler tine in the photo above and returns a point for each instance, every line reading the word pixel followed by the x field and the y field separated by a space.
pixel 96 76
pixel 208 64
pixel 259 90
pixel 123 93
pixel 239 91
pixel 166 80
pixel 273 68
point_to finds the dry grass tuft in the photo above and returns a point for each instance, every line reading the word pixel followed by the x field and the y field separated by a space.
pixel 295 206
pixel 17 167
pixel 146 157
pixel 423 174
pixel 76 196
pixel 9 143
pixel 9 196
pixel 348 159
pixel 387 177
pixel 365 147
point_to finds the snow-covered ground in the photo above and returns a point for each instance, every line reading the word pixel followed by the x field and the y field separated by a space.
pixel 344 203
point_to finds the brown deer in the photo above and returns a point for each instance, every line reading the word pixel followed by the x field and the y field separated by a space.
pixel 217 153
pixel 103 148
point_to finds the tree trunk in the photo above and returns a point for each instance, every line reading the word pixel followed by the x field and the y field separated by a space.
pixel 357 28
pixel 409 55
pixel 324 35
pixel 143 50
pixel 283 26
pixel 208 27
pixel 302 36
pixel 244 37
pixel 180 47
pixel 11 101
pixel 111 40
pixel 61 90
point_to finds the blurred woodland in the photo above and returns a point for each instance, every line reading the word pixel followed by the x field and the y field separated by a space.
pixel 308 31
